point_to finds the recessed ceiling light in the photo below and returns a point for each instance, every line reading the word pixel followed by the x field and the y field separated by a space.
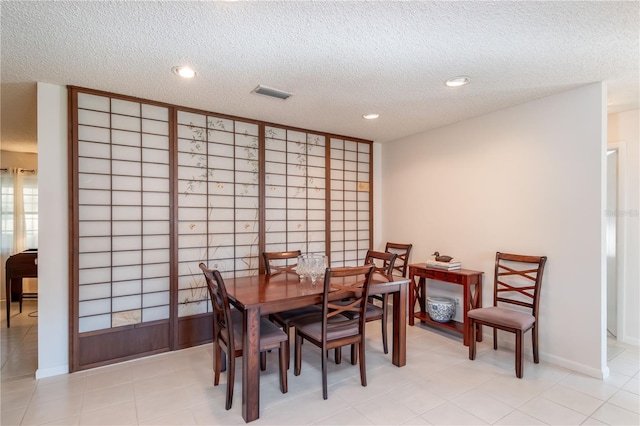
pixel 372 116
pixel 184 72
pixel 457 81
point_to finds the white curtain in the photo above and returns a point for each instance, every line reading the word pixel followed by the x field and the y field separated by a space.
pixel 19 214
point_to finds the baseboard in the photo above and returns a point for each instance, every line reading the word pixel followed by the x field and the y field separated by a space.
pixel 41 373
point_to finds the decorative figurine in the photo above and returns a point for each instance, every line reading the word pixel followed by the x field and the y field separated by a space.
pixel 442 258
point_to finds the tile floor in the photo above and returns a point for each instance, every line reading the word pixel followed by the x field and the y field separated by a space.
pixel 439 386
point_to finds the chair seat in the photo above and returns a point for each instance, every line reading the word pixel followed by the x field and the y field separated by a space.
pixel 373 312
pixel 312 327
pixel 270 334
pixel 503 317
pixel 286 317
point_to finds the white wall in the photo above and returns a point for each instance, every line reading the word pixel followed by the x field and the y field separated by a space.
pixel 53 225
pixel 624 130
pixel 527 179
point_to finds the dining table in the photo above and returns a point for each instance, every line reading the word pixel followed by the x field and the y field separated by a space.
pixel 261 295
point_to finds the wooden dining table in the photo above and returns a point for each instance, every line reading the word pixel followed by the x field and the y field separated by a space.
pixel 259 295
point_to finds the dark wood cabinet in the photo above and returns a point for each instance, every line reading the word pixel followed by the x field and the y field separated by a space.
pixel 470 280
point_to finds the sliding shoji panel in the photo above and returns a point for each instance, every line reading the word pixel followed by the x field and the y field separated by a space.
pixel 123 212
pixel 218 203
pixel 350 202
pixel 295 191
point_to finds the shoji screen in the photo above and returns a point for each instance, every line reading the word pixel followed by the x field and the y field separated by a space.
pixel 351 227
pixel 156 189
pixel 123 221
pixel 218 203
pixel 295 191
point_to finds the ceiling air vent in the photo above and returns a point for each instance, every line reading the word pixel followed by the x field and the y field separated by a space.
pixel 274 93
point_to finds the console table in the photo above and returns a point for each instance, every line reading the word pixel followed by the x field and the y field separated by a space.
pixel 471 281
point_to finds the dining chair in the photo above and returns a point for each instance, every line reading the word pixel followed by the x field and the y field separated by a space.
pixel 331 329
pixel 278 263
pixel 402 262
pixel 517 283
pixel 383 263
pixel 227 335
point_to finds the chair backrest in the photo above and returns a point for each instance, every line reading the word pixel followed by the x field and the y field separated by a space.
pixel 222 323
pixel 383 262
pixel 276 262
pixel 343 282
pixel 518 279
pixel 403 251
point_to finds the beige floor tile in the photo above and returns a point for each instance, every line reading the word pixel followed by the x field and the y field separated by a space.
pixel 551 412
pixel 482 406
pixel 614 415
pixel 519 418
pixel 178 418
pixel 121 414
pixel 450 414
pixel 633 385
pixel 350 416
pixel 39 412
pixel 577 401
pixel 105 397
pixel 11 416
pixel 589 385
pixel 627 400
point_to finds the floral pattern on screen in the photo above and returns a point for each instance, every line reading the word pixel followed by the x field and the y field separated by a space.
pixel 218 203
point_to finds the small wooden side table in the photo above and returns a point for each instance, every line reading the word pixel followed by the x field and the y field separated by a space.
pixel 472 296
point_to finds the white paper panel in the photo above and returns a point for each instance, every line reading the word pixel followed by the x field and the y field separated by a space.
pixel 93 134
pixel 99 322
pixel 155 270
pixel 191 254
pixel 89 196
pixel 94 165
pixel 93 118
pixel 191 119
pixel 94 244
pixel 155 313
pixel 156 127
pixel 119 106
pixel 94 307
pixel 155 184
pixel 155 199
pixel 150 256
pixel 125 288
pixel 155 141
pixel 155 241
pixel 155 156
pixel 155 299
pixel 125 273
pixel 133 242
pixel 185 241
pixel 123 137
pixel 127 183
pixel 126 228
pixel 122 198
pixel 94 291
pixel 126 212
pixel 126 168
pixel 87 101
pixel 98 275
pixel 91 181
pixel 155 213
pixel 126 303
pixel 150 285
pixel 94 260
pixel 155 112
pixel 120 258
pixel 155 170
pixel 152 227
pixel 125 153
pixel 125 123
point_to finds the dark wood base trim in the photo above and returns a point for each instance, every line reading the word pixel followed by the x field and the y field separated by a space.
pixel 194 330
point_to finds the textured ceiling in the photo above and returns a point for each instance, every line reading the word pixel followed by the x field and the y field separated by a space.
pixel 339 59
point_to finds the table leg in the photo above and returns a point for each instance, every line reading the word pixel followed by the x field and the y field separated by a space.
pixel 412 300
pixel 466 303
pixel 8 299
pixel 251 365
pixel 399 355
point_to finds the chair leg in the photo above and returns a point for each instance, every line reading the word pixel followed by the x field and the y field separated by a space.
pixel 472 339
pixel 285 328
pixel 363 365
pixel 298 355
pixel 495 339
pixel 263 360
pixel 534 337
pixel 217 363
pixel 231 375
pixel 282 354
pixel 385 308
pixel 324 375
pixel 354 355
pixel 519 354
pixel 338 354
